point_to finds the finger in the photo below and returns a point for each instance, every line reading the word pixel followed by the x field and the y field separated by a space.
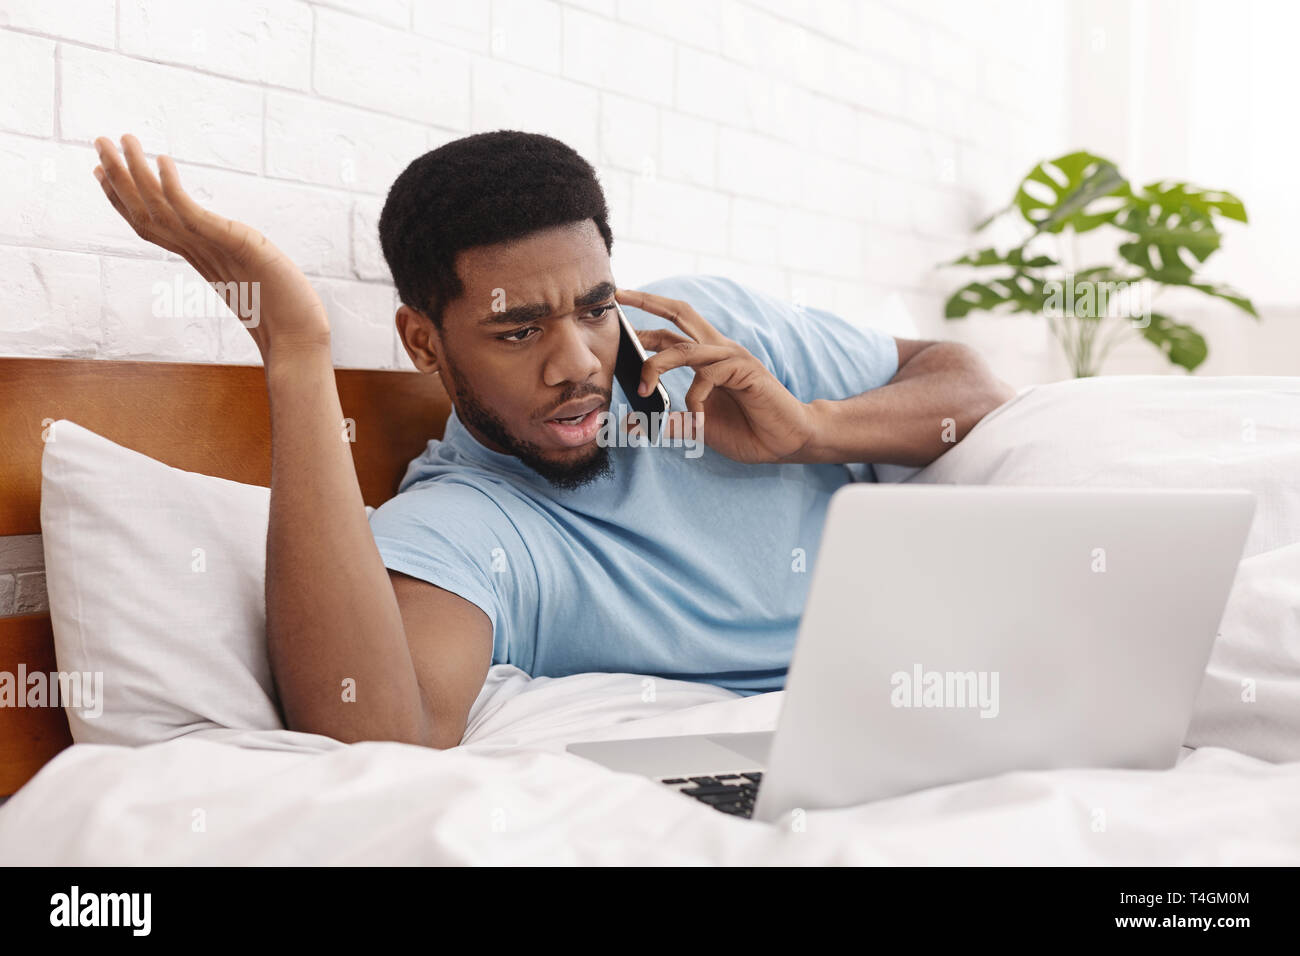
pixel 165 216
pixel 679 313
pixel 657 339
pixel 200 263
pixel 227 236
pixel 192 216
pixel 691 354
pixel 122 211
pixel 140 201
pixel 146 183
pixel 119 177
pixel 109 191
pixel 717 375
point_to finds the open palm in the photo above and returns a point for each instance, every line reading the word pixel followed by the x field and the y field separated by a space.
pixel 223 251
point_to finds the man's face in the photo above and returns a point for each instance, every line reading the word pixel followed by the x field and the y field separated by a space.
pixel 534 336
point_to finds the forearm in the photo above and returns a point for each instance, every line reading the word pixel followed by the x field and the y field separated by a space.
pixel 331 611
pixel 934 401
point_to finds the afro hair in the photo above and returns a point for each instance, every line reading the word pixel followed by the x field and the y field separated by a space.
pixel 480 190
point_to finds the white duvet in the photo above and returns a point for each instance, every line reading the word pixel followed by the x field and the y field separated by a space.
pixel 510 794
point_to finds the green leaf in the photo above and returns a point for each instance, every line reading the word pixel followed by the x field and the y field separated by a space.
pixel 1157 248
pixel 1220 291
pixel 1018 292
pixel 1229 294
pixel 1172 229
pixel 1172 221
pixel 1182 344
pixel 1206 202
pixel 1077 182
pixel 1015 257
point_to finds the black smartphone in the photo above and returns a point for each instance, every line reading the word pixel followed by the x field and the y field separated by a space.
pixel 627 369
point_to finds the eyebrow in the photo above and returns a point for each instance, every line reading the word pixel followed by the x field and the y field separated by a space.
pixel 536 311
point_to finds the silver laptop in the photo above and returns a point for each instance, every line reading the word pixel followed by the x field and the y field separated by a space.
pixel 957 632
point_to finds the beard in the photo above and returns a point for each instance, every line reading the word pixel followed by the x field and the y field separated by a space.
pixel 564 475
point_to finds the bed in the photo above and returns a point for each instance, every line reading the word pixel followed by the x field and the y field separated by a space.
pixel 244 790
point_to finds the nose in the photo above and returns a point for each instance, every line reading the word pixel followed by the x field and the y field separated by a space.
pixel 571 358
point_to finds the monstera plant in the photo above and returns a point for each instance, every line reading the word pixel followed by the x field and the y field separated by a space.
pixel 1165 231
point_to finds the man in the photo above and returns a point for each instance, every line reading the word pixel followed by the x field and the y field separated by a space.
pixel 521 537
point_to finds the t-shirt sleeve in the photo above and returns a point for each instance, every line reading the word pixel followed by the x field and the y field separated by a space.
pixel 455 537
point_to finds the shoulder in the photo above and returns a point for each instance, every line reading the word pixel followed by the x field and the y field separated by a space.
pixel 449 503
pixel 740 312
pixel 717 294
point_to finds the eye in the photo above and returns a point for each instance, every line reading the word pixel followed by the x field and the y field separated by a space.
pixel 599 313
pixel 509 336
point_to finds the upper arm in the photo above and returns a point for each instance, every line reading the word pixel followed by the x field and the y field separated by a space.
pixel 450 640
pixel 907 349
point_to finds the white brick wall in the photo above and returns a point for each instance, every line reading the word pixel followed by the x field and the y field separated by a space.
pixel 827 150
pixel 832 150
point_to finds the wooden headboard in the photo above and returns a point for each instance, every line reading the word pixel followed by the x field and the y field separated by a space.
pixel 212 419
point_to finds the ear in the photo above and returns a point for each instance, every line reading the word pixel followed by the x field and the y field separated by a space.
pixel 422 342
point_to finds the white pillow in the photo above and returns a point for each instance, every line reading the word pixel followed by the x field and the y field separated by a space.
pixel 1140 431
pixel 1250 700
pixel 155 579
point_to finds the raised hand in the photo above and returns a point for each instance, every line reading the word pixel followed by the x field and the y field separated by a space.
pixel 743 410
pixel 290 315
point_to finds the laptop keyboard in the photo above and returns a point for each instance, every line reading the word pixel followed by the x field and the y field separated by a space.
pixel 732 793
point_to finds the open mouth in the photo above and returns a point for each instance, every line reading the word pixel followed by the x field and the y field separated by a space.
pixel 575 430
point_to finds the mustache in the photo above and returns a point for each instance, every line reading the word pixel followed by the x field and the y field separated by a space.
pixel 605 395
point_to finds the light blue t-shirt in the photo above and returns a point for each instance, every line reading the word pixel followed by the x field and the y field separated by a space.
pixel 688 568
